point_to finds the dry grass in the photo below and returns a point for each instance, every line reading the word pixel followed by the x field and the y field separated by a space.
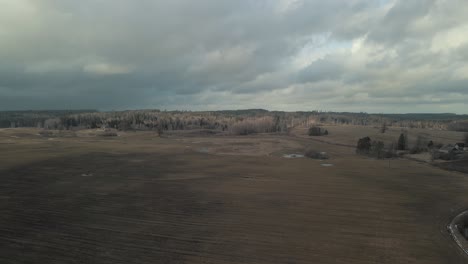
pixel 349 135
pixel 158 200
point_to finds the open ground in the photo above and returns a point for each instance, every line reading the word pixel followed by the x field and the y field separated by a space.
pixel 192 198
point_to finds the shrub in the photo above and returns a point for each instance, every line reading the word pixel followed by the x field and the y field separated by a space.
pixel 108 134
pixel 446 156
pixel 243 128
pixel 390 153
pixel 363 145
pixel 317 131
pixel 377 149
pixel 417 150
pixel 430 145
pixel 310 153
pixel 46 133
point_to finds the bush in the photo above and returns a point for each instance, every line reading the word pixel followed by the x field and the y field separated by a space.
pixel 377 149
pixel 417 150
pixel 363 145
pixel 390 153
pixel 446 156
pixel 310 153
pixel 108 134
pixel 317 131
pixel 243 128
pixel 46 133
pixel 430 145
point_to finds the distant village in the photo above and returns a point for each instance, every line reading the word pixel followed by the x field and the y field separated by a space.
pixel 451 152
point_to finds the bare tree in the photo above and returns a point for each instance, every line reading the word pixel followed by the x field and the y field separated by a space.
pixel 383 129
pixel 420 146
pixel 377 149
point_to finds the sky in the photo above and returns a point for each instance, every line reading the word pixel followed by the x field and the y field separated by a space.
pixel 376 56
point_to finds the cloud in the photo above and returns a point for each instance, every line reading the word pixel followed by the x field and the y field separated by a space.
pixel 357 55
pixel 107 69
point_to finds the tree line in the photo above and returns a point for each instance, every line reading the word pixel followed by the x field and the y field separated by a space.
pixel 237 121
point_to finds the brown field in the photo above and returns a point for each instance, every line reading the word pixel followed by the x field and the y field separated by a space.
pixel 188 198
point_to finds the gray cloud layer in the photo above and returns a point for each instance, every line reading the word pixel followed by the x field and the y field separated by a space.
pixel 354 55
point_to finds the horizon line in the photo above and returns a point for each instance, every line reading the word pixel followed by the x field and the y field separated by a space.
pixel 240 109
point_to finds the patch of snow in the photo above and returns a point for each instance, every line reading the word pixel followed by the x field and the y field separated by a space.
pixel 293 156
pixel 203 150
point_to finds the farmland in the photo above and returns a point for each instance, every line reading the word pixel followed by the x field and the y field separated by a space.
pixel 140 198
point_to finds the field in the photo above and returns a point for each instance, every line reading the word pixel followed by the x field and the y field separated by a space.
pixel 195 198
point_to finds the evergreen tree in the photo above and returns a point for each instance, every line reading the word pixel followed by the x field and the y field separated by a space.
pixel 402 142
pixel 363 145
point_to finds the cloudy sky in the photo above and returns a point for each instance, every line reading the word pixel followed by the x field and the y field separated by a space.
pixel 338 55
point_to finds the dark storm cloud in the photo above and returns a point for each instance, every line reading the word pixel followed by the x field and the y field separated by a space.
pixel 394 25
pixel 277 54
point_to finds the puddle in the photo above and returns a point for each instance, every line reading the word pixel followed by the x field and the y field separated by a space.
pixel 203 150
pixel 293 156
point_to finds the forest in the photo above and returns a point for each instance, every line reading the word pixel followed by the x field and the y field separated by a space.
pixel 240 122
